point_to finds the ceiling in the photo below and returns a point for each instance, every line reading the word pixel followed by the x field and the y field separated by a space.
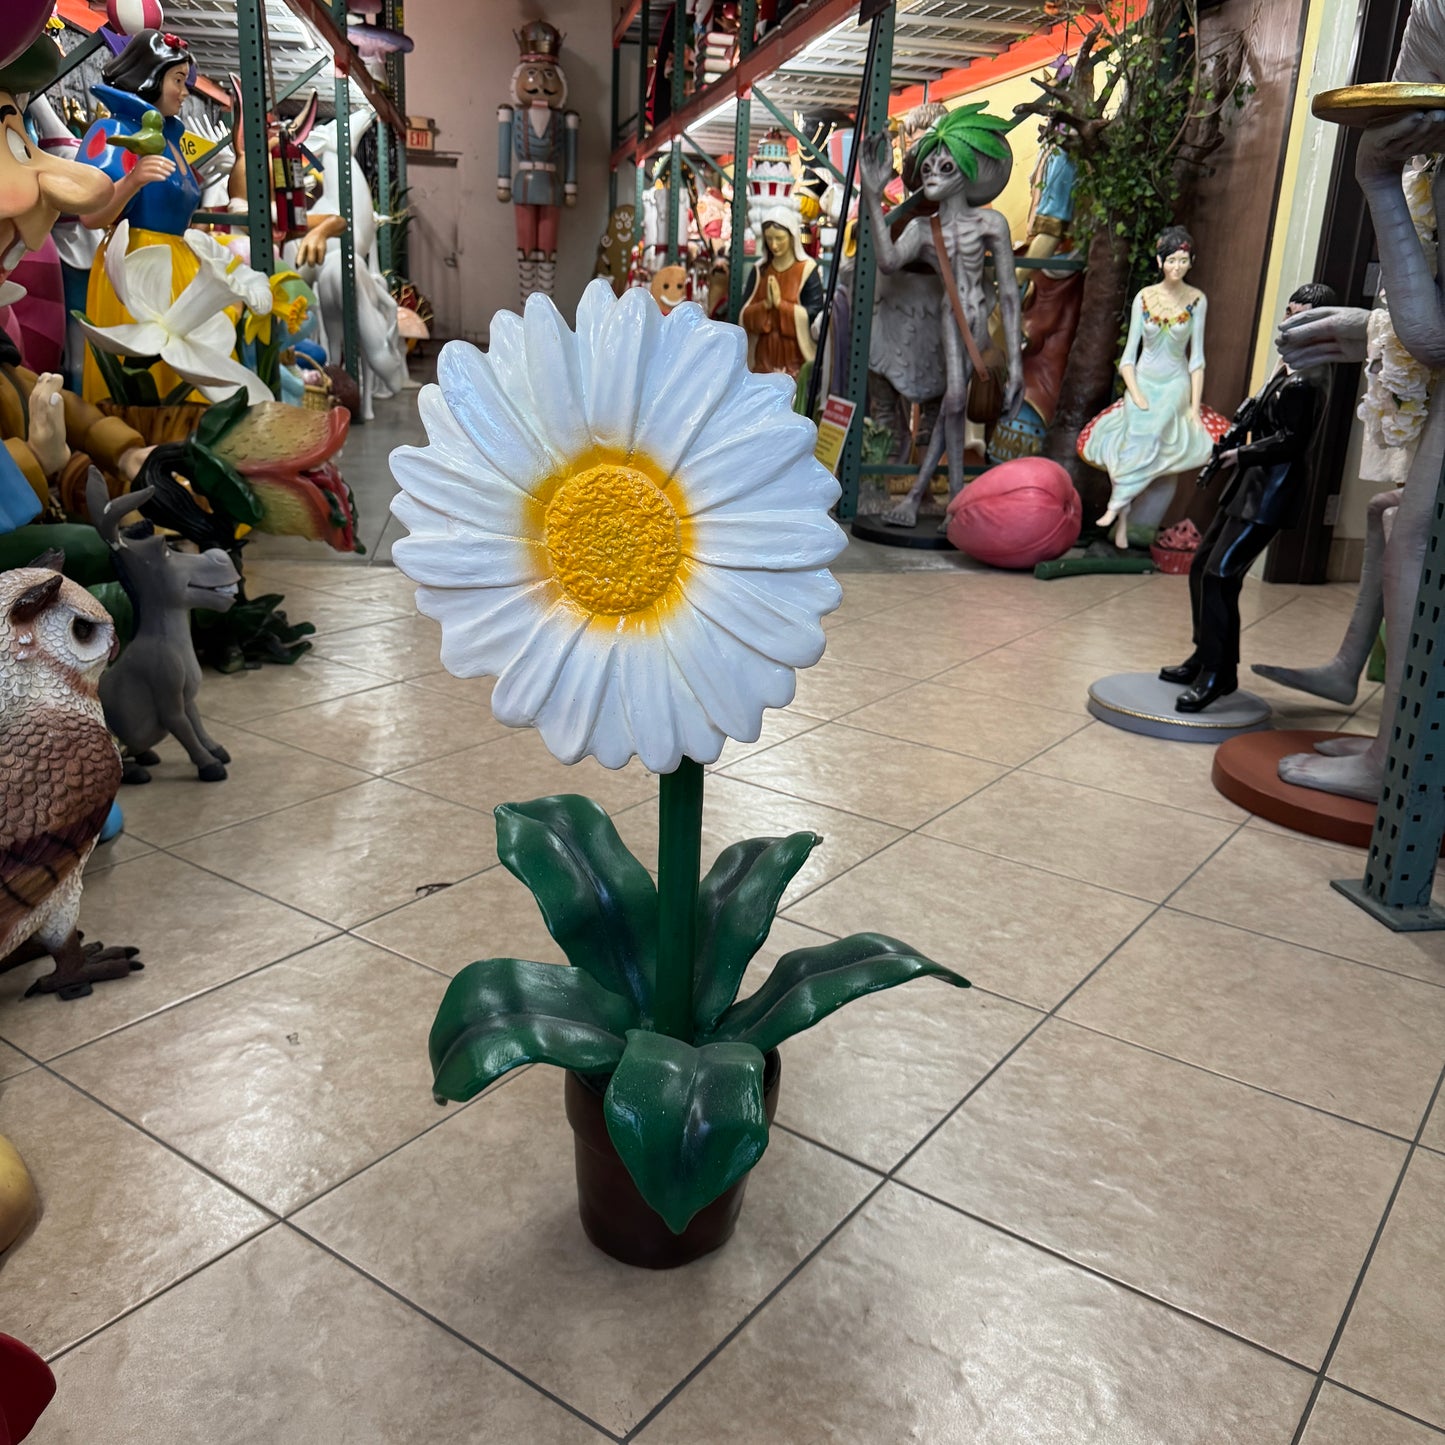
pixel 210 27
pixel 930 38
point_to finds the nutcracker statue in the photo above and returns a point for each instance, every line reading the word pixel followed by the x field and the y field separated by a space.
pixel 537 141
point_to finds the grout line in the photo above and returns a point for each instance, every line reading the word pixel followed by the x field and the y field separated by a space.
pixel 1233 1079
pixel 235 1189
pixel 756 1310
pixel 451 1330
pixel 882 1174
pixel 164 1290
pixel 1391 1409
pixel 1096 1273
pixel 177 1003
pixel 447 1112
pixel 1365 1267
pixel 1295 943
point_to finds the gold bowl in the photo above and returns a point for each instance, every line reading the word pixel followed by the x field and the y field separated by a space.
pixel 1362 105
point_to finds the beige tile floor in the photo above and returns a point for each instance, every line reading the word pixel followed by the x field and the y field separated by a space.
pixel 1168 1174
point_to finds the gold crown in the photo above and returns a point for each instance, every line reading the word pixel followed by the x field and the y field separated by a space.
pixel 539 41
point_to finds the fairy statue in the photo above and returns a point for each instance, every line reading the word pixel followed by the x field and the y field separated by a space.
pixel 1161 427
pixel 964 162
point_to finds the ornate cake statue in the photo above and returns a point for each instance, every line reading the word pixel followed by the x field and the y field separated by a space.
pixel 537 154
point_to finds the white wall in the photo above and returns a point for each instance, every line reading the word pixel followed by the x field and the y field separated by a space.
pixel 459 73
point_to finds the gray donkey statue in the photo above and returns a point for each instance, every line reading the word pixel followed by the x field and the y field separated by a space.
pixel 151 690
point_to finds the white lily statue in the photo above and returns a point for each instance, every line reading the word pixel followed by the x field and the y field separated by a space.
pixel 192 333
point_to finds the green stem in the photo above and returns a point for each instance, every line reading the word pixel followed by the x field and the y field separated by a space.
pixel 679 859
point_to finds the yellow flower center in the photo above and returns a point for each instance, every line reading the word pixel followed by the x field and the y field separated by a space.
pixel 613 538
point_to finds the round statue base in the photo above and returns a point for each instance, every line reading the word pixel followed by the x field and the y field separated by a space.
pixel 923 534
pixel 1141 702
pixel 1246 771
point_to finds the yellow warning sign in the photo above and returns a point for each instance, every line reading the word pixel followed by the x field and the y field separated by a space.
pixel 193 146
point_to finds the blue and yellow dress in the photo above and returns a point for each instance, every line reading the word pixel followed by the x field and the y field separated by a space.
pixel 159 215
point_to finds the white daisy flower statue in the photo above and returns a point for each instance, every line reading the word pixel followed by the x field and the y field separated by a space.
pixel 628 529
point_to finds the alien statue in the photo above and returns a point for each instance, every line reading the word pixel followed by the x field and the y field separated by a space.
pixel 1268 447
pixel 1354 768
pixel 964 163
pixel 537 141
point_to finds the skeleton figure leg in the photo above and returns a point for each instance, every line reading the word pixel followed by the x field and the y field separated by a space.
pixel 949 427
pixel 1361 774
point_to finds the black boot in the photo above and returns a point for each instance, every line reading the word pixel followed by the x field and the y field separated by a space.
pixel 1209 688
pixel 1186 672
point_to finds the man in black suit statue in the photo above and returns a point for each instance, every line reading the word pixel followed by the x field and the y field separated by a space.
pixel 1271 481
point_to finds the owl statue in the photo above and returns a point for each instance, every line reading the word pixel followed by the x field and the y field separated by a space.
pixel 59 773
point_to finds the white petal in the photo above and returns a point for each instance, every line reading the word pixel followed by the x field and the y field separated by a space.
pixel 482 629
pixel 554 378
pixel 425 475
pixel 507 348
pixel 116 256
pixel 611 742
pixel 526 682
pixel 749 607
pixel 204 367
pixel 786 540
pixel 731 681
pixel 569 716
pixel 452 446
pixel 702 740
pixel 148 278
pixel 218 334
pixel 687 376
pixel 646 684
pixel 479 402
pixel 145 339
pixel 201 299
pixel 805 486
pixel 467 558
pixel 596 306
pixel 614 389
pixel 748 458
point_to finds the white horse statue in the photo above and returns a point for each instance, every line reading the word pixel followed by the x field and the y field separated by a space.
pixel 383 352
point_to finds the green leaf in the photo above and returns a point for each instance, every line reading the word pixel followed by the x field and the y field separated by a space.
pixel 220 417
pixel 597 900
pixel 141 385
pixel 736 905
pixel 688 1123
pixel 809 983
pixel 219 482
pixel 505 1011
pixel 111 371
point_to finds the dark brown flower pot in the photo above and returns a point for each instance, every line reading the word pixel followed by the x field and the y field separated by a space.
pixel 616 1218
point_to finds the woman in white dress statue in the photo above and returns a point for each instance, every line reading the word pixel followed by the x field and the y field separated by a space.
pixel 1161 427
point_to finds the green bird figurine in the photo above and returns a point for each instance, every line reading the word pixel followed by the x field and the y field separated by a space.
pixel 149 140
